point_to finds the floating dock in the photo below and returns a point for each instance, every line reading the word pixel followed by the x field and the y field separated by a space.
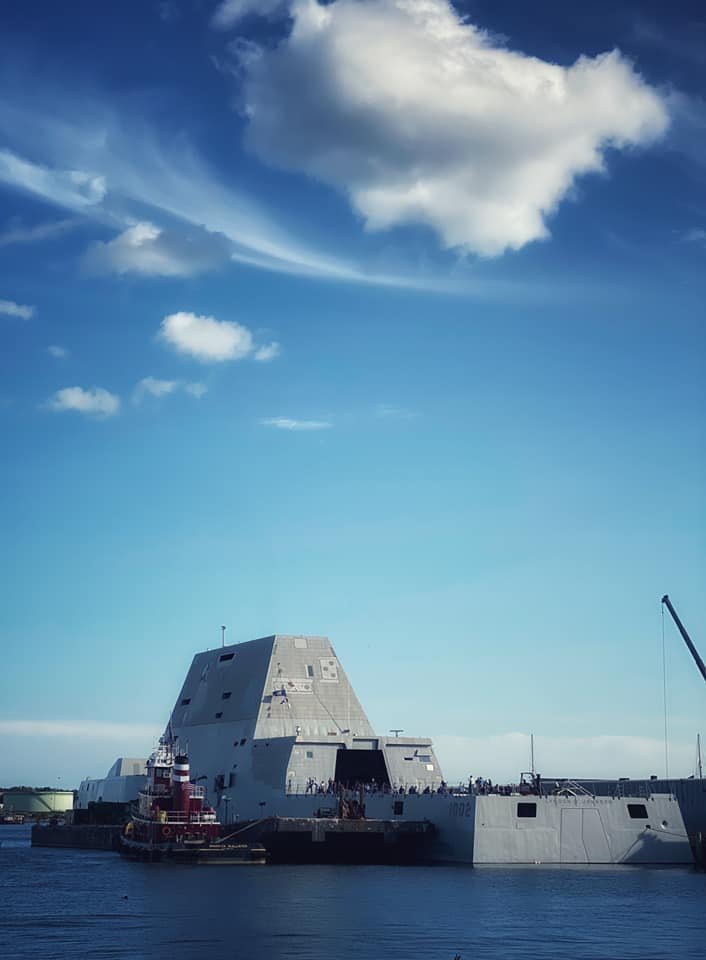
pixel 336 840
pixel 286 839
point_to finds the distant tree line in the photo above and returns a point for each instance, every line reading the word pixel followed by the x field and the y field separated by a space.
pixel 37 789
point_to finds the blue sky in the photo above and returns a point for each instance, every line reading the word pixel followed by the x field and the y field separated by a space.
pixel 382 320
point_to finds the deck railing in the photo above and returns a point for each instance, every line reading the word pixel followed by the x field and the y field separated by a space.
pixel 170 817
pixel 196 792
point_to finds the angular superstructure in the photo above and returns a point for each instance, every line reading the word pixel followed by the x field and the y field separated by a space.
pixel 273 719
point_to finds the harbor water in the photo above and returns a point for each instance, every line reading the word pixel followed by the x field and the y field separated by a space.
pixel 75 904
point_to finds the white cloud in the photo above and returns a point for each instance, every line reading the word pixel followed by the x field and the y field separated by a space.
pixel 206 338
pixel 268 351
pixel 146 249
pixel 286 423
pixel 95 402
pixel 196 390
pixel 60 353
pixel 229 12
pixel 420 117
pixel 75 189
pixel 17 234
pixel 12 309
pixel 151 386
pixel 695 235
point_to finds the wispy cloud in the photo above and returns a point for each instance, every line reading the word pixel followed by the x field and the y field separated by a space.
pixel 12 309
pixel 685 40
pixel 268 351
pixel 230 12
pixel 153 387
pixel 695 235
pixel 75 189
pixel 389 411
pixel 96 402
pixel 113 170
pixel 56 351
pixel 19 234
pixel 168 11
pixel 287 423
pixel 205 338
pixel 688 130
pixel 196 390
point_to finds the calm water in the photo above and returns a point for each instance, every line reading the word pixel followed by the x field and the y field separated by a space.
pixel 74 904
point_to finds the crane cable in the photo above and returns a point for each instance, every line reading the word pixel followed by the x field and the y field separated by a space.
pixel 664 700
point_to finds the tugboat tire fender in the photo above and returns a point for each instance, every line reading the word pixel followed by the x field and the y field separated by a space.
pixel 167 831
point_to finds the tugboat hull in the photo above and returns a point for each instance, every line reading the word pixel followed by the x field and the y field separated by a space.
pixel 225 854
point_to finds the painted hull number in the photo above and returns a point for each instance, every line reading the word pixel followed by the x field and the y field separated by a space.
pixel 461 809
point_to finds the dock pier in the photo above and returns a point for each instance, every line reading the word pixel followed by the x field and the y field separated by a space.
pixel 286 839
pixel 338 840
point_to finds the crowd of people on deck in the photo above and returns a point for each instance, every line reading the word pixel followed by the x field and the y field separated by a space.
pixel 482 786
pixel 478 786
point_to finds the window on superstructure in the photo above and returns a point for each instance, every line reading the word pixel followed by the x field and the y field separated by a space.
pixel 226 656
pixel 309 670
pixel 526 809
pixel 637 811
pixel 309 754
pixel 226 695
pixel 242 742
pixel 219 715
pixel 186 701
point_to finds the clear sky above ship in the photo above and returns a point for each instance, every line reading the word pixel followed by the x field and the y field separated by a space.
pixel 380 319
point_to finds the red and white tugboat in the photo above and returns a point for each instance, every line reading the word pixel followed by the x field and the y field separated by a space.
pixel 173 821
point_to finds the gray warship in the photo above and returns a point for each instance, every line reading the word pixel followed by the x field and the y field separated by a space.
pixel 277 736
